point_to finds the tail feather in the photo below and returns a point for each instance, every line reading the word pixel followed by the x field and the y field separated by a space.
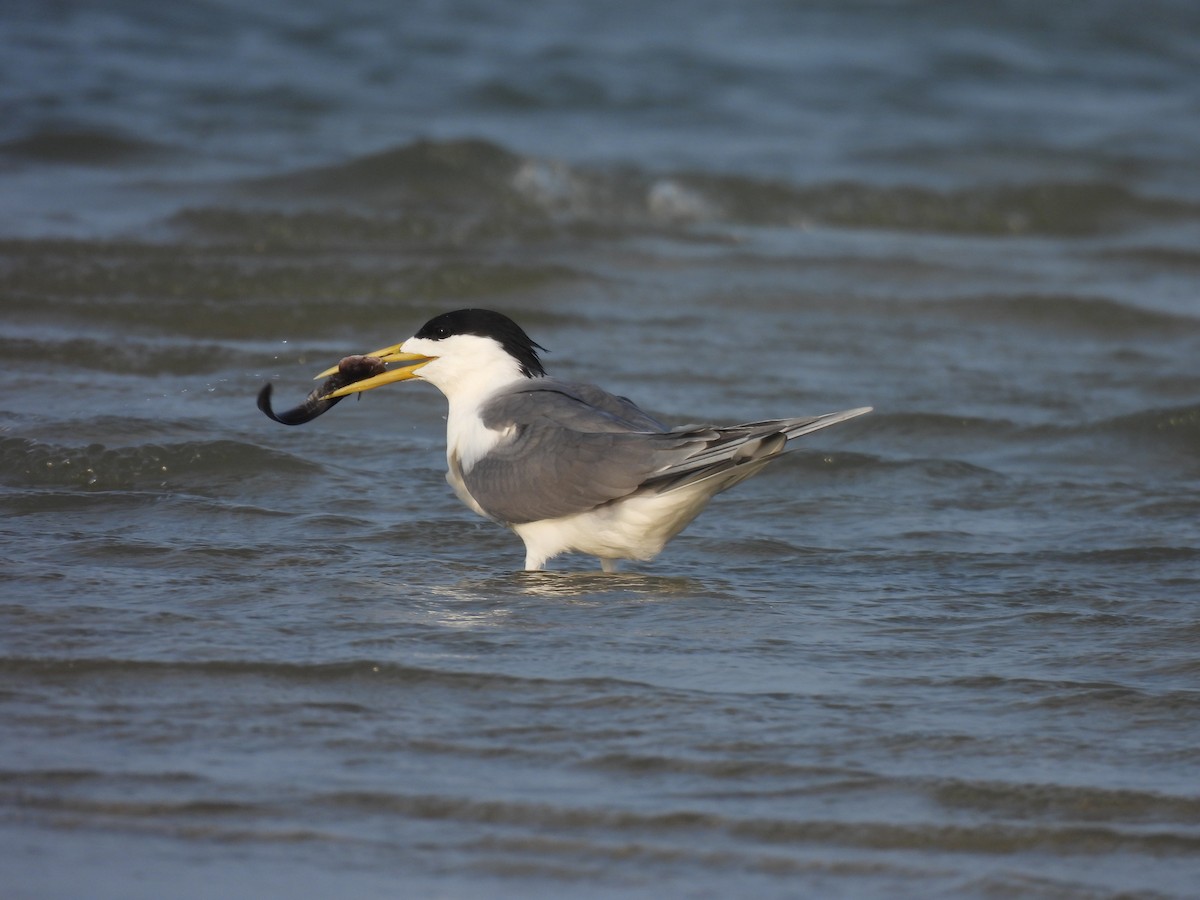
pixel 738 451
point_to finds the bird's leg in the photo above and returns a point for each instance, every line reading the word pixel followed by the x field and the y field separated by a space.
pixel 609 565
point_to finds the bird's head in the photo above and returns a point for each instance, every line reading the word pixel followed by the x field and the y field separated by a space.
pixel 468 349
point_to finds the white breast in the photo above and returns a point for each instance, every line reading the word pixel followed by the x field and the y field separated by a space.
pixel 468 440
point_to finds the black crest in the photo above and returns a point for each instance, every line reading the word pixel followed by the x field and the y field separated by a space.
pixel 494 325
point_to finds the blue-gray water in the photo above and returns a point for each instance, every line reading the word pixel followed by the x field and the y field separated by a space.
pixel 951 649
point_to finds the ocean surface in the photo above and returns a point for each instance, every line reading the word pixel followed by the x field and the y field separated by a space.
pixel 948 650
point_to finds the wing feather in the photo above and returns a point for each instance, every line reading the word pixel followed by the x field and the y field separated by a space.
pixel 574 447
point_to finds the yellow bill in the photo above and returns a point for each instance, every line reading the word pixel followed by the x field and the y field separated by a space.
pixel 410 363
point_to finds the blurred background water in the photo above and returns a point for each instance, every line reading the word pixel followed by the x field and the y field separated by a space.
pixel 950 649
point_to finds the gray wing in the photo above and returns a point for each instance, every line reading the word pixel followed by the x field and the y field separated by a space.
pixel 576 447
pixel 580 407
pixel 573 448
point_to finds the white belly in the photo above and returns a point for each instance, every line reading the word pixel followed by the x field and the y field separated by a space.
pixel 637 527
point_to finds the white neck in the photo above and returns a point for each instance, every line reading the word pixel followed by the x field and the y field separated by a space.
pixel 468 369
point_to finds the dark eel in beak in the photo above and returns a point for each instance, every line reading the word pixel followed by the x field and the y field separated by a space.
pixel 350 370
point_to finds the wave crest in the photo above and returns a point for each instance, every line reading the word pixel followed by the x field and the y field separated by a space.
pixel 439 186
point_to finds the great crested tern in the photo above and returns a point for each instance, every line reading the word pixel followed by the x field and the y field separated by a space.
pixel 568 467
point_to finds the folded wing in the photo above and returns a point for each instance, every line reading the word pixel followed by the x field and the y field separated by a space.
pixel 575 447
